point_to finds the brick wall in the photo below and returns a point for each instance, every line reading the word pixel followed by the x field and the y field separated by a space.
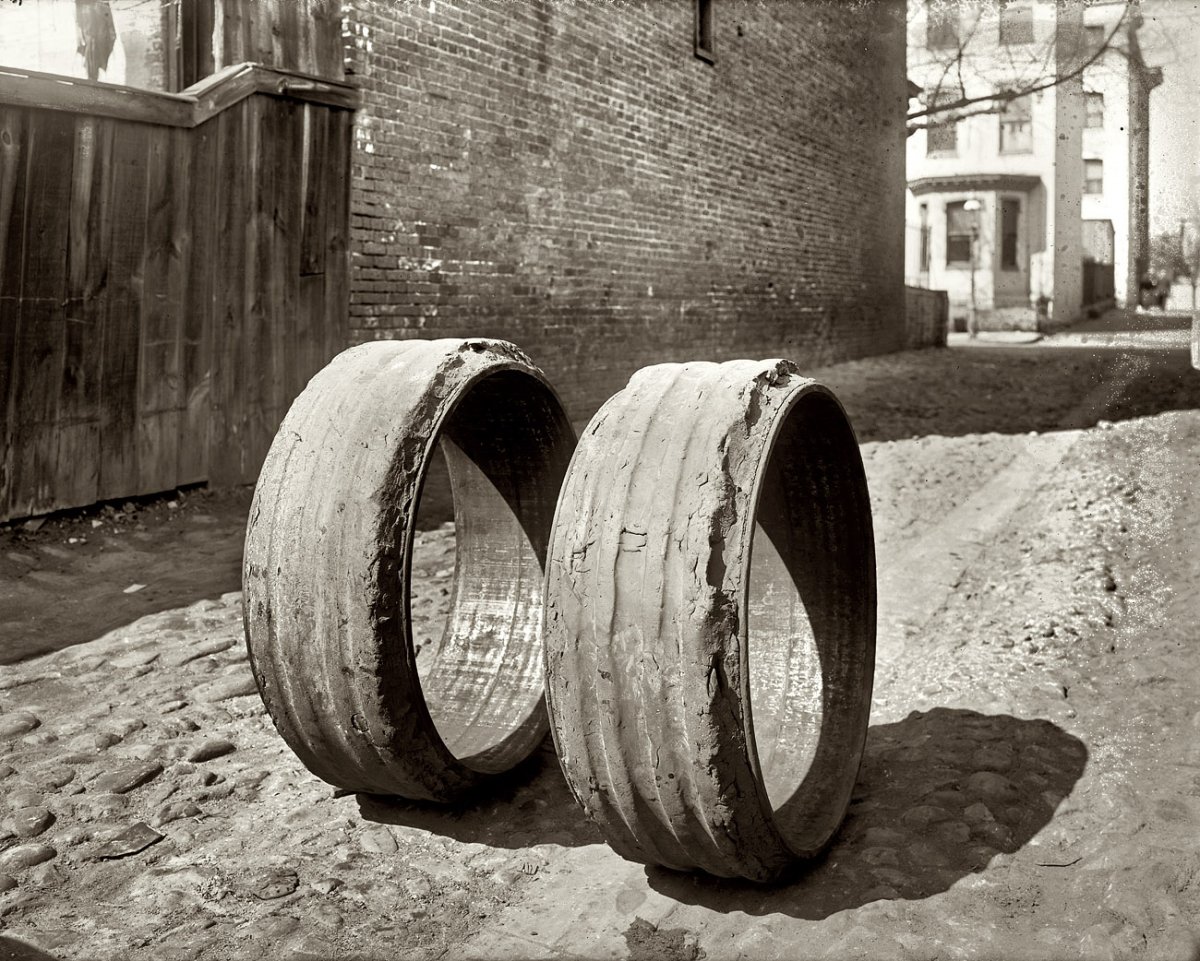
pixel 571 177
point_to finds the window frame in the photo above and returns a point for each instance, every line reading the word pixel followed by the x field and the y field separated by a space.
pixel 1092 97
pixel 1008 120
pixel 1088 163
pixel 947 129
pixel 943 26
pixel 925 250
pixel 1012 264
pixel 954 240
pixel 1015 23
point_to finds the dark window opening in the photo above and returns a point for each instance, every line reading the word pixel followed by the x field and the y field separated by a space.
pixel 1010 217
pixel 1016 22
pixel 926 238
pixel 1095 38
pixel 1016 126
pixel 1093 176
pixel 1095 110
pixel 941 136
pixel 960 232
pixel 941 25
pixel 704 34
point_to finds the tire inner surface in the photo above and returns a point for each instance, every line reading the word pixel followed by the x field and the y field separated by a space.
pixel 811 615
pixel 507 445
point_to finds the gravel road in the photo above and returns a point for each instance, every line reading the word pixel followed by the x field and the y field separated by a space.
pixel 1031 786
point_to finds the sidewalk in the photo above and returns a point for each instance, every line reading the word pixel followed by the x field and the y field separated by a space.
pixel 1117 328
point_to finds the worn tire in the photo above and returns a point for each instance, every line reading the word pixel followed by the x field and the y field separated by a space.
pixel 328 562
pixel 698 721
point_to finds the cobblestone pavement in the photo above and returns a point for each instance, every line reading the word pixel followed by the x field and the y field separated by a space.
pixel 1031 786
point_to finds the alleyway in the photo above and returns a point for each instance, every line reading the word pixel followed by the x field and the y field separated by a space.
pixel 1031 787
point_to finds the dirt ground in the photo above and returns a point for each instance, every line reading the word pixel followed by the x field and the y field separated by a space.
pixel 1031 785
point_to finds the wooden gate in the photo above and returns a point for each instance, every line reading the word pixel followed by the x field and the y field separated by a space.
pixel 173 268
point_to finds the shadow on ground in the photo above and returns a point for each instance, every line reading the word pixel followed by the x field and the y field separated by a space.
pixel 961 391
pixel 939 795
pixel 13 949
pixel 83 573
pixel 530 805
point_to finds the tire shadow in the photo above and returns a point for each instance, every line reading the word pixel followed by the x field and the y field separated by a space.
pixel 938 796
pixel 14 949
pixel 529 805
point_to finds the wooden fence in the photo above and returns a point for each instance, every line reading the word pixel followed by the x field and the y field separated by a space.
pixel 203 36
pixel 926 317
pixel 173 268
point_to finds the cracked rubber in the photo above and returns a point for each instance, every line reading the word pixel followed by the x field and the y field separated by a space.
pixel 329 553
pixel 710 618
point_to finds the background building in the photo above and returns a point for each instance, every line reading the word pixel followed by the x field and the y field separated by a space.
pixel 1116 148
pixel 1028 208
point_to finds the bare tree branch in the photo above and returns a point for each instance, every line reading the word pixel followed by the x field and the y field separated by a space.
pixel 995 101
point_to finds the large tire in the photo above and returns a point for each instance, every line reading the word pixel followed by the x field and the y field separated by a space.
pixel 665 644
pixel 329 553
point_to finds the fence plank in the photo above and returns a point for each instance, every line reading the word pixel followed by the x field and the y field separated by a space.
pixel 335 321
pixel 199 319
pixel 95 292
pixel 316 201
pixel 234 48
pixel 178 268
pixel 41 347
pixel 329 56
pixel 257 349
pixel 27 88
pixel 287 36
pixel 15 134
pixel 78 427
pixel 118 421
pixel 225 435
pixel 285 255
pixel 158 381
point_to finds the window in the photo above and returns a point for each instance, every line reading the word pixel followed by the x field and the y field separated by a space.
pixel 1016 127
pixel 1095 110
pixel 704 38
pixel 1093 176
pixel 1095 37
pixel 941 24
pixel 1010 217
pixel 1016 22
pixel 926 237
pixel 960 231
pixel 940 136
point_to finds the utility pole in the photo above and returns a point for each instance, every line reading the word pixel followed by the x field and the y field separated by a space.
pixel 973 206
